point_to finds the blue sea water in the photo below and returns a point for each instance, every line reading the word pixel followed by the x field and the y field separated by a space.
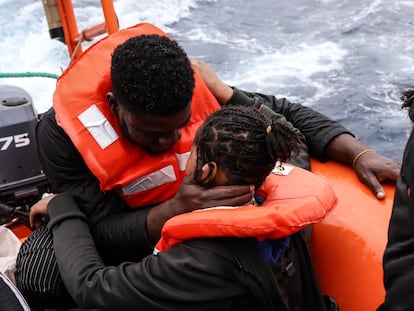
pixel 347 59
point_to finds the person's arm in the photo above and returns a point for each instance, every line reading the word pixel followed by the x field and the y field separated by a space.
pixel 318 129
pixel 167 281
pixel 399 253
pixel 326 138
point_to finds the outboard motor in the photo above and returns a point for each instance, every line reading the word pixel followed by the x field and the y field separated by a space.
pixel 22 181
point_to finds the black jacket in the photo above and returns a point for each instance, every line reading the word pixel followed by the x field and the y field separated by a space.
pixel 398 261
pixel 119 231
pixel 201 274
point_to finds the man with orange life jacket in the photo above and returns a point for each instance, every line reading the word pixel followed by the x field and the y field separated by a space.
pixel 135 113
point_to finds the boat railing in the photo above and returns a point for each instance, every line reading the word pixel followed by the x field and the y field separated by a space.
pixel 62 24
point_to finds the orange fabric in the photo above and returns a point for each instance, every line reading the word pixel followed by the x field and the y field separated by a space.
pixel 292 203
pixel 84 84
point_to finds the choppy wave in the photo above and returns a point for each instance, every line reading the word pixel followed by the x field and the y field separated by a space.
pixel 348 59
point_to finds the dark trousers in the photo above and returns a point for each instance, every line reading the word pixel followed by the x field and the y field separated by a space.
pixel 37 274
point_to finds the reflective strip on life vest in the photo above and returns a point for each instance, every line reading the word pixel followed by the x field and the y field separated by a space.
pixel 98 126
pixel 150 181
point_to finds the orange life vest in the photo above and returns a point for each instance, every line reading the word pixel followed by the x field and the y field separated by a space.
pixel 83 112
pixel 292 202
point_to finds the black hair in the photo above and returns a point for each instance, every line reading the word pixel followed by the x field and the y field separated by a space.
pixel 152 74
pixel 245 144
pixel 407 97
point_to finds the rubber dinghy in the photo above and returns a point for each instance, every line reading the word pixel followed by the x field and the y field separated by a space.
pixel 347 246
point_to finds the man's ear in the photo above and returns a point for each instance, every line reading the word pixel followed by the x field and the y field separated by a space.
pixel 113 104
pixel 208 172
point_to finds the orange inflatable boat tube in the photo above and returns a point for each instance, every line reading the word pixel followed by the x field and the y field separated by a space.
pixel 348 245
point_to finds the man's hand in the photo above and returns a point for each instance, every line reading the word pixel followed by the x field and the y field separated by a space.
pixel 38 211
pixel 191 197
pixel 221 91
pixel 370 167
pixel 373 168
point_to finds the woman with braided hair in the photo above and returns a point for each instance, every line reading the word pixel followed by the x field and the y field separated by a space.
pixel 241 146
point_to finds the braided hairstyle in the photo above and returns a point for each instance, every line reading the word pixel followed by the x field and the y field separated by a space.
pixel 152 74
pixel 407 98
pixel 245 144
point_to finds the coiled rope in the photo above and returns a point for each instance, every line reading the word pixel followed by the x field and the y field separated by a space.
pixel 28 75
